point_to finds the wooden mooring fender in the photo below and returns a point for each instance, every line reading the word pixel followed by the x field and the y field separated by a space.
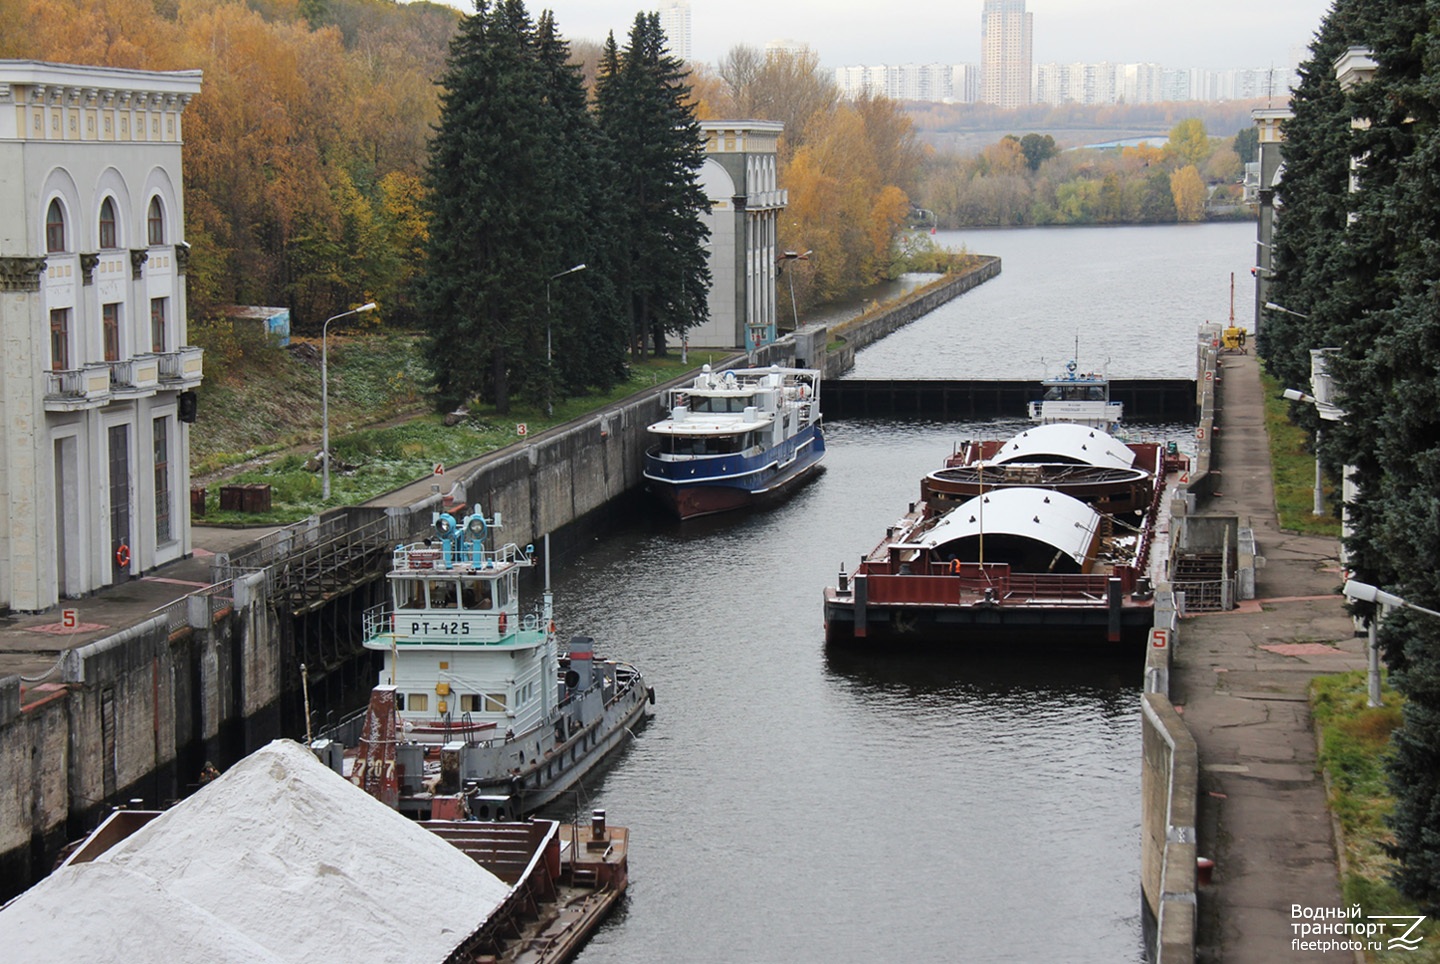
pixel 1145 399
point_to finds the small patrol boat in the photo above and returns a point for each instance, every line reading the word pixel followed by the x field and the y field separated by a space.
pixel 478 712
pixel 734 438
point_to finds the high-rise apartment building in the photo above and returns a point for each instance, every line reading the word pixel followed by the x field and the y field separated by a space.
pixel 675 21
pixel 1005 53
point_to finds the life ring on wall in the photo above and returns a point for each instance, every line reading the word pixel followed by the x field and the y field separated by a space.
pixel 122 556
pixel 502 624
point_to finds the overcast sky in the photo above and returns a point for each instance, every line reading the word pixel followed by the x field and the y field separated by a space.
pixel 1194 33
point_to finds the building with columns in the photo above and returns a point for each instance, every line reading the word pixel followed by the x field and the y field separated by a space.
pixel 740 177
pixel 96 380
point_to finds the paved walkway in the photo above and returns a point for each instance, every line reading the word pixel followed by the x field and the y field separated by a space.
pixel 31 646
pixel 1240 680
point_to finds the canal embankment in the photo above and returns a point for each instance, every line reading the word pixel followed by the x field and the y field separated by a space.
pixel 1229 774
pixel 850 336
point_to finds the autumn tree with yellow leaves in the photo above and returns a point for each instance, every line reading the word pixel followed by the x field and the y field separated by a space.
pixel 302 150
pixel 1156 181
pixel 1188 190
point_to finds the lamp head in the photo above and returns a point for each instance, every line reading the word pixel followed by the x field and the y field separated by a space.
pixel 1364 592
pixel 1359 591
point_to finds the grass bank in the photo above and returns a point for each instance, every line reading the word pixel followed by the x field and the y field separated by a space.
pixel 260 421
pixel 1354 743
pixel 1292 459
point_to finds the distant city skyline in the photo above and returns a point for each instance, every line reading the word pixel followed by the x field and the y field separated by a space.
pixel 1220 34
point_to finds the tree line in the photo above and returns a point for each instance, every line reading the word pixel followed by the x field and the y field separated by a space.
pixel 1357 265
pixel 310 173
pixel 1029 181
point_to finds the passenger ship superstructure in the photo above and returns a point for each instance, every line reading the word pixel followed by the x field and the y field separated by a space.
pixel 736 437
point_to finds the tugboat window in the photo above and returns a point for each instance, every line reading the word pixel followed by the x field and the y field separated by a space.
pixel 419 702
pixel 442 595
pixel 476 594
pixel 469 703
pixel 409 594
pixel 494 702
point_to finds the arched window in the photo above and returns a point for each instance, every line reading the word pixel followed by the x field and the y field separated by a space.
pixel 55 228
pixel 155 221
pixel 107 224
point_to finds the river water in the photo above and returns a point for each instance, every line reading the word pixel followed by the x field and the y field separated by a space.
pixel 1132 296
pixel 791 805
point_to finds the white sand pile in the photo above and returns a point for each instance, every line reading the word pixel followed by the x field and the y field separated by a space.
pixel 279 859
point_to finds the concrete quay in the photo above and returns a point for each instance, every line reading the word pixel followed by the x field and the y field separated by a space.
pixel 1239 681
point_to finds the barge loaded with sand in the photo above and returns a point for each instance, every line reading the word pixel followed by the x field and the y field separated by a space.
pixel 281 860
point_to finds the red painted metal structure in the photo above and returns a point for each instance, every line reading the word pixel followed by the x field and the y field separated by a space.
pixel 905 591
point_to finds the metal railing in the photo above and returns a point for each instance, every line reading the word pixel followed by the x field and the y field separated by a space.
pixel 314 558
pixel 220 601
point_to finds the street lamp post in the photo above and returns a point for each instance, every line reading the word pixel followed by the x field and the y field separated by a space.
pixel 325 395
pixel 794 256
pixel 549 402
pixel 1364 592
pixel 1295 395
pixel 1274 307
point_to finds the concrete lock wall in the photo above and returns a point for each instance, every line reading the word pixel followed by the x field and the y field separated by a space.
pixel 1169 804
pixel 548 483
pixel 1169 784
pixel 34 797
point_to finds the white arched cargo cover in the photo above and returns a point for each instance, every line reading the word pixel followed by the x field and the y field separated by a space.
pixel 1056 519
pixel 1067 441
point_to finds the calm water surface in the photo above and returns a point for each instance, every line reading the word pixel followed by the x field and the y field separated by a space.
pixel 1134 297
pixel 790 805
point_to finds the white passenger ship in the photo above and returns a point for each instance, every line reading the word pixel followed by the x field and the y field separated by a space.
pixel 736 437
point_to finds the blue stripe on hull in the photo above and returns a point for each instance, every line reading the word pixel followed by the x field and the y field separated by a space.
pixel 705 485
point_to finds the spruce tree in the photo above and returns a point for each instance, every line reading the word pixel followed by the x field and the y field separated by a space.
pixel 1365 267
pixel 487 192
pixel 656 152
pixel 1312 210
pixel 584 315
pixel 1389 369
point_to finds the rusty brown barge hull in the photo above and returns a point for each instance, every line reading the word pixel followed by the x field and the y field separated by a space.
pixel 944 577
pixel 1103 614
